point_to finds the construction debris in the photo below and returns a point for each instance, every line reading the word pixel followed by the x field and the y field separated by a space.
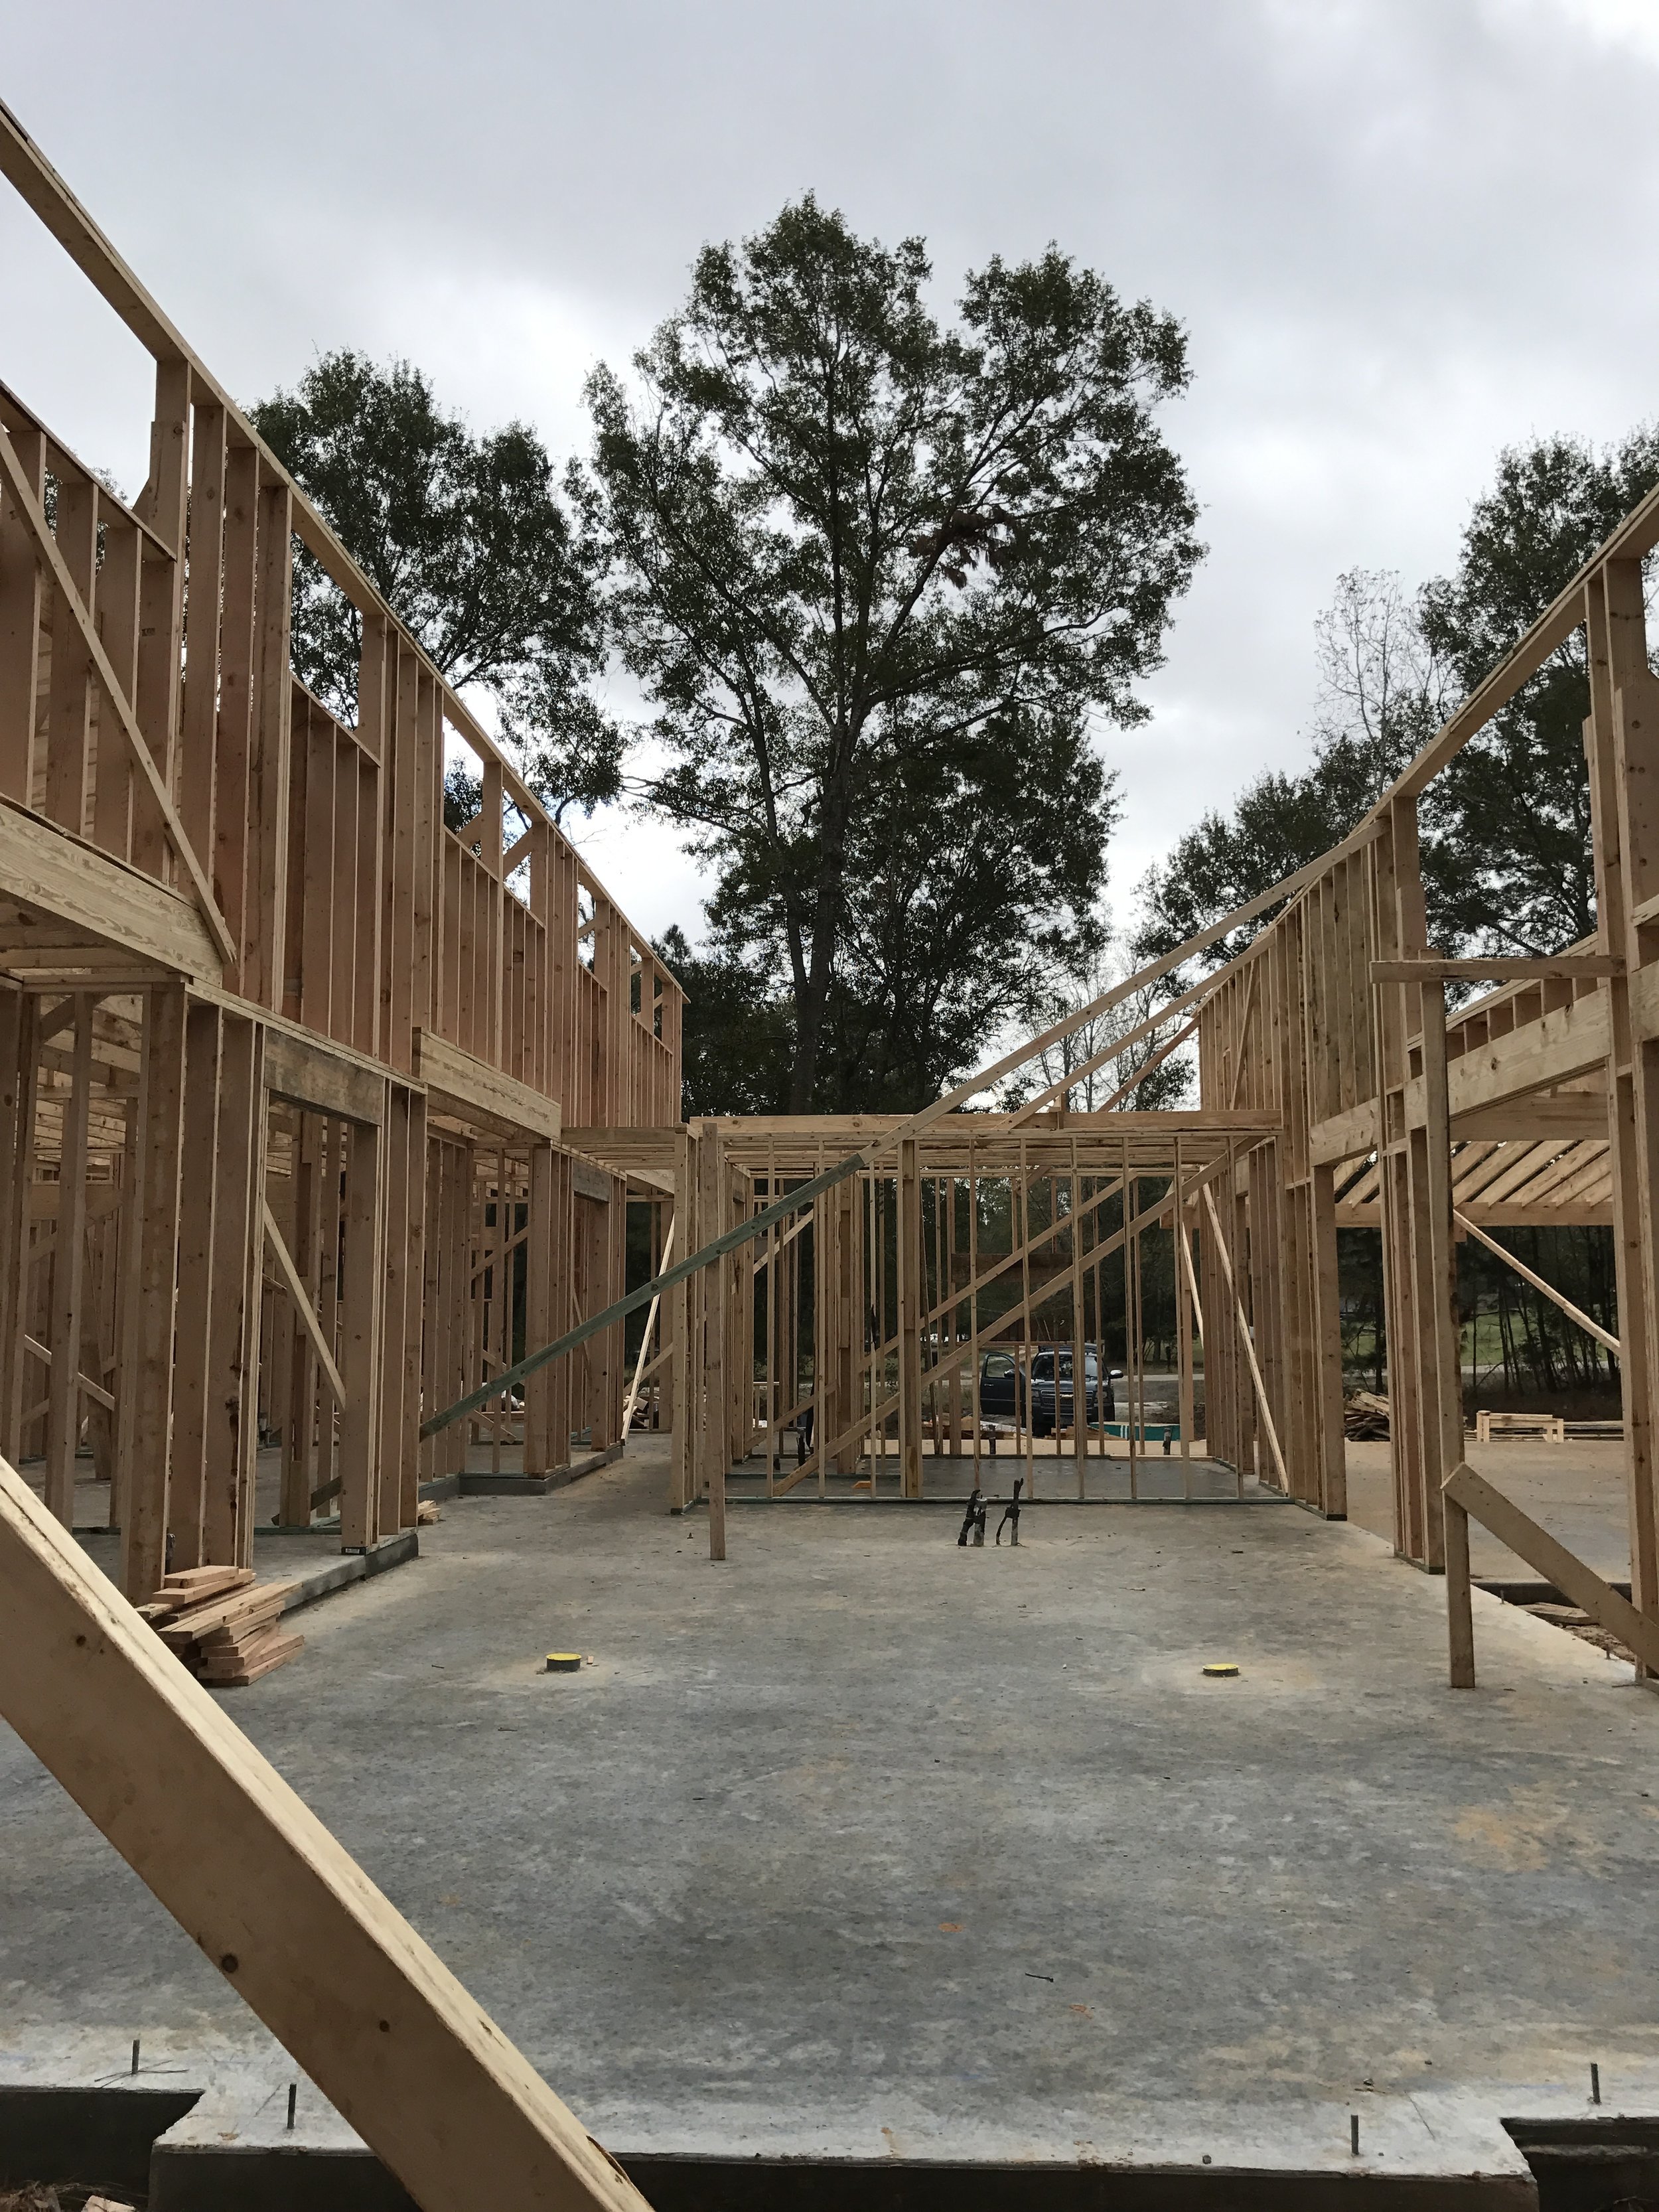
pixel 1365 1416
pixel 59 2196
pixel 223 1624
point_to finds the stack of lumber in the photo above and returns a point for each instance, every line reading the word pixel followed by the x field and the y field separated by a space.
pixel 223 1624
pixel 1364 1415
pixel 1550 1426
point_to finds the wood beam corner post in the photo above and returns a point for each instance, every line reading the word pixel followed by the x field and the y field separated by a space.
pixel 362 1290
pixel 187 1480
pixel 68 1277
pixel 1328 1350
pixel 712 1423
pixel 145 1413
pixel 542 1246
pixel 19 1022
pixel 678 1333
pixel 1621 743
pixel 1460 1615
pixel 909 1193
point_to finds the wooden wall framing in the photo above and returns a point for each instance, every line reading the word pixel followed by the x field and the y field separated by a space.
pixel 1532 1103
pixel 285 1058
pixel 1337 1091
pixel 208 882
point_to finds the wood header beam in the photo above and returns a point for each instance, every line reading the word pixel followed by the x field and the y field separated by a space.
pixel 1582 1114
pixel 306 1074
pixel 1561 966
pixel 63 875
pixel 464 1085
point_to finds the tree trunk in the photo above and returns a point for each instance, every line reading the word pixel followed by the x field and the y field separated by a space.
pixel 826 918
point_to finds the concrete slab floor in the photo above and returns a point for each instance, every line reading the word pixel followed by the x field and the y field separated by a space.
pixel 862 1844
pixel 1575 1490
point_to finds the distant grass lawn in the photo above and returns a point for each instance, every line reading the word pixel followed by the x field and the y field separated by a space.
pixel 1481 1344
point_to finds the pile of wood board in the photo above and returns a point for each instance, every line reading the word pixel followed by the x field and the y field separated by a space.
pixel 1365 1415
pixel 62 2196
pixel 223 1624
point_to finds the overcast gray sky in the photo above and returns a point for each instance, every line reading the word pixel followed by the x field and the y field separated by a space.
pixel 1401 233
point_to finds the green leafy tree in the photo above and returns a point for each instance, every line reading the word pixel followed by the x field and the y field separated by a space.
pixel 864 560
pixel 949 929
pixel 1509 817
pixel 1524 1347
pixel 936 933
pixel 1506 850
pixel 735 1040
pixel 467 539
pixel 1506 827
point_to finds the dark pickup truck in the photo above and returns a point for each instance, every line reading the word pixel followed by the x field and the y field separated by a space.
pixel 1002 1389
